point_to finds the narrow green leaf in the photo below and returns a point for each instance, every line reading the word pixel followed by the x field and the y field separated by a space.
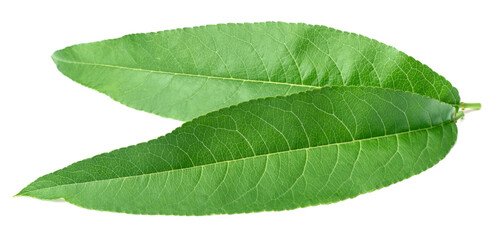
pixel 188 72
pixel 310 148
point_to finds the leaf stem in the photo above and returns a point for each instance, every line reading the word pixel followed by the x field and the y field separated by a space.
pixel 458 115
pixel 475 106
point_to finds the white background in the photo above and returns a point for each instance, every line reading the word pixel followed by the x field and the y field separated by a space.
pixel 48 121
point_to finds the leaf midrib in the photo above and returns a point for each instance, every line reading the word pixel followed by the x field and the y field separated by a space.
pixel 181 74
pixel 245 158
pixel 239 79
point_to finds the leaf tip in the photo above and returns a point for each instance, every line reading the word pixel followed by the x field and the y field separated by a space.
pixel 21 193
pixel 54 56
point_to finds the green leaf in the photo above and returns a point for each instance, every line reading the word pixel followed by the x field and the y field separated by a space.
pixel 310 148
pixel 189 72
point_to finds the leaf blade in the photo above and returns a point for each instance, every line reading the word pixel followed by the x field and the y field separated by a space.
pixel 220 163
pixel 160 72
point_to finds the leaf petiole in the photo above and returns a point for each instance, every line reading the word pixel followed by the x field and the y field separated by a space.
pixel 475 106
pixel 458 115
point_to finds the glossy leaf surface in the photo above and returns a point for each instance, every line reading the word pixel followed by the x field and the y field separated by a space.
pixel 189 72
pixel 278 153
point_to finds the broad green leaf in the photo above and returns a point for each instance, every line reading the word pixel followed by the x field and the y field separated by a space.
pixel 189 72
pixel 310 148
